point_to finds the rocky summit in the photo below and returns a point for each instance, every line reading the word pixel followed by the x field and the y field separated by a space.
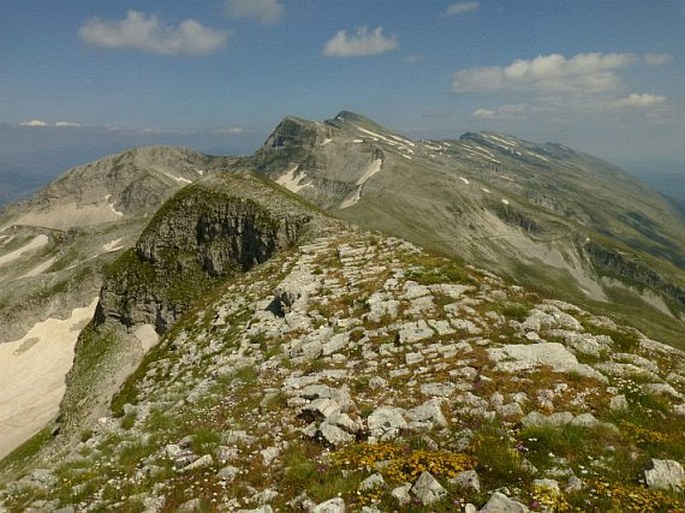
pixel 351 371
pixel 239 345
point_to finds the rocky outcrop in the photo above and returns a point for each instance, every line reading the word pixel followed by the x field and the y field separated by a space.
pixel 617 265
pixel 204 234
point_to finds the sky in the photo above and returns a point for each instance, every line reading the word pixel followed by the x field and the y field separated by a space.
pixel 602 76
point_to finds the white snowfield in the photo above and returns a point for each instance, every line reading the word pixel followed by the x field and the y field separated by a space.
pixel 113 245
pixel 465 180
pixel 32 377
pixel 69 215
pixel 373 168
pixel 398 142
pixel 291 182
pixel 111 205
pixel 37 242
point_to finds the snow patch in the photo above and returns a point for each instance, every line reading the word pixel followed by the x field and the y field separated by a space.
pixel 357 141
pixel 538 156
pixel 485 190
pixel 371 170
pixel 37 242
pixel 292 183
pixel 505 201
pixel 326 141
pixel 111 206
pixel 113 245
pixel 32 377
pixel 465 180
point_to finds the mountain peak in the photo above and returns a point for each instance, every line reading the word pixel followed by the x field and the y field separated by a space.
pixel 346 118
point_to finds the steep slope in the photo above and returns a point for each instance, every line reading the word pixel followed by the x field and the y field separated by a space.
pixel 361 373
pixel 539 213
pixel 53 247
pixel 208 232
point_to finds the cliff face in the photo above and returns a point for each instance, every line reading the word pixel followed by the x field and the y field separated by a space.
pixel 206 233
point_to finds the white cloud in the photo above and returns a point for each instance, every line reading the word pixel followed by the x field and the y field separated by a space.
pixel 34 123
pixel 229 131
pixel 657 59
pixel 461 8
pixel 509 111
pixel 640 100
pixel 152 35
pixel 262 11
pixel 58 124
pixel 362 43
pixel 582 73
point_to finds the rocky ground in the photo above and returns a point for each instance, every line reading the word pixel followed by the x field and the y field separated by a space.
pixel 359 373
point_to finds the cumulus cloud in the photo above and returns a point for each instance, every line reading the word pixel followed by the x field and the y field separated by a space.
pixel 461 8
pixel 152 35
pixel 640 100
pixel 509 111
pixel 262 11
pixel 34 123
pixel 59 124
pixel 362 43
pixel 657 59
pixel 582 73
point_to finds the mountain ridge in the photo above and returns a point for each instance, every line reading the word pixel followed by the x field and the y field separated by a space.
pixel 238 323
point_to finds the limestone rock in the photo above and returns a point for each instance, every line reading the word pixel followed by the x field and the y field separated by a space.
pixel 386 422
pixel 373 481
pixel 665 474
pixel 335 505
pixel 427 489
pixel 500 503
pixel 468 480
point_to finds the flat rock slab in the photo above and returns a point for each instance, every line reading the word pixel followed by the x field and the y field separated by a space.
pixel 521 357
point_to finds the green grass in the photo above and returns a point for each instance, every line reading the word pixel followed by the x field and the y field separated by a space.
pixel 27 451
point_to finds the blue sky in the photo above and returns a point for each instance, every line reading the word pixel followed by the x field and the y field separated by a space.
pixel 603 76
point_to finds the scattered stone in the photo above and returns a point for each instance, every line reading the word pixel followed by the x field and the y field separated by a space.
pixel 414 332
pixel 334 435
pixel 228 473
pixel 262 509
pixel 665 475
pixel 500 503
pixel 618 403
pixel 401 493
pixel 574 485
pixel 335 505
pixel 550 485
pixel 386 422
pixel 269 454
pixel 468 480
pixel 515 358
pixel 190 506
pixel 428 413
pixel 373 481
pixel 203 461
pixel 427 489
